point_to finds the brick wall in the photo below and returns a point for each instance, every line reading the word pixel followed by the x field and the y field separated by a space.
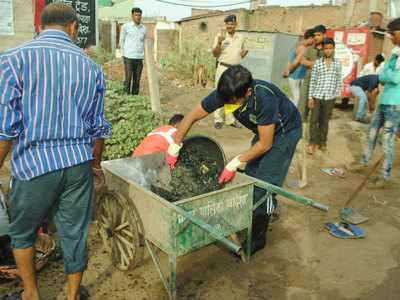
pixel 284 19
pixel 105 35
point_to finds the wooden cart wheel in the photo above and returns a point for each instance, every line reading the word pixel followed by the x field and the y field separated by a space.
pixel 118 228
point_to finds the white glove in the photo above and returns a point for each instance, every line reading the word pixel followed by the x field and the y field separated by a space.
pixel 172 154
pixel 174 149
pixel 229 171
pixel 233 164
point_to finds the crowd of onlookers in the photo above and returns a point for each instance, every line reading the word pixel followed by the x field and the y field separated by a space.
pixel 316 81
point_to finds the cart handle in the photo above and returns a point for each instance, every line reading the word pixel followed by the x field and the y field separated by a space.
pixel 211 230
pixel 292 196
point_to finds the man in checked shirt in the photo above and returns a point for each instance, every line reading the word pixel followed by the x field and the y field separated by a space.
pixel 325 86
pixel 52 111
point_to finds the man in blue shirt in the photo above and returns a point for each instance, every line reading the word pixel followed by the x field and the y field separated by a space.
pixel 294 70
pixel 264 109
pixel 52 111
pixel 131 41
pixel 359 87
pixel 387 114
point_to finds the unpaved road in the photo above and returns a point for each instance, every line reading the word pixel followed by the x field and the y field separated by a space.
pixel 301 260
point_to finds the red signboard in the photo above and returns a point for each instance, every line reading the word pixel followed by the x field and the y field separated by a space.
pixel 352 45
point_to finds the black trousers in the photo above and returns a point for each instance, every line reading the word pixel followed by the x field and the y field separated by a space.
pixel 133 71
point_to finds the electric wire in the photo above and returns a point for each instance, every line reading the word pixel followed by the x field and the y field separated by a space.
pixel 202 6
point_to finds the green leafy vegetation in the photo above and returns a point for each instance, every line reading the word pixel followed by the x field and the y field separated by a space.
pixel 187 59
pixel 132 119
pixel 99 55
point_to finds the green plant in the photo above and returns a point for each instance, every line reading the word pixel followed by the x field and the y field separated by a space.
pixel 131 118
pixel 99 55
pixel 186 60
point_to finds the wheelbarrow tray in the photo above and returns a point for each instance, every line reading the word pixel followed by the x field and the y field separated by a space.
pixel 228 210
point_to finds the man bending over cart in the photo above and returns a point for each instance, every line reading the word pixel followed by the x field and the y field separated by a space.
pixel 267 111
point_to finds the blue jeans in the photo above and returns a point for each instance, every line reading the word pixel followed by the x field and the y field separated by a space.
pixel 362 101
pixel 388 117
pixel 272 167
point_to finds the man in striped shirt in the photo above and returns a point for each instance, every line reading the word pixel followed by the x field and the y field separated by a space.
pixel 52 110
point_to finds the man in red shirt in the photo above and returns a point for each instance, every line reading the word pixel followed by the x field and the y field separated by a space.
pixel 159 139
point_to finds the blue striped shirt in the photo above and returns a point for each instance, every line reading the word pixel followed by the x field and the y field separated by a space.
pixel 51 104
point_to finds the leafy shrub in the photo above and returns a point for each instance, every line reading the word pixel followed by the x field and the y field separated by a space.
pixel 186 60
pixel 132 119
pixel 99 55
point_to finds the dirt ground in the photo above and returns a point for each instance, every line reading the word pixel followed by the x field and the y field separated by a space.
pixel 301 261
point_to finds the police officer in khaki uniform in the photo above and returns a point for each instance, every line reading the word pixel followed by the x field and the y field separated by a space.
pixel 229 49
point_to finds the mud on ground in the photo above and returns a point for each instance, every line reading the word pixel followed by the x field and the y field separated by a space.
pixel 301 260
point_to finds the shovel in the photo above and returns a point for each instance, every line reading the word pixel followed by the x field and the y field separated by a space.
pixel 347 213
pixel 301 166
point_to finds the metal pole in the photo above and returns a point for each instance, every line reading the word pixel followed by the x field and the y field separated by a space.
pixel 298 198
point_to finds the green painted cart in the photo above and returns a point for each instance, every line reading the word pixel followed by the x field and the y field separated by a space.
pixel 130 216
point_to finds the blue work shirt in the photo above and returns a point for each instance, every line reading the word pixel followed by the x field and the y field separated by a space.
pixel 267 105
pixel 367 82
pixel 132 39
pixel 51 104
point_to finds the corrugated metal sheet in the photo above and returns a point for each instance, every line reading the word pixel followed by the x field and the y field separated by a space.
pixel 268 54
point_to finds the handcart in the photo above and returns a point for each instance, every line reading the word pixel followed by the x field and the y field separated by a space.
pixel 130 215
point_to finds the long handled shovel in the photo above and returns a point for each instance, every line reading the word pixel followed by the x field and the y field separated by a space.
pixel 301 164
pixel 347 213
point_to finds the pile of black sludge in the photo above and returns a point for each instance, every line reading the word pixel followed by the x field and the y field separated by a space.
pixel 196 173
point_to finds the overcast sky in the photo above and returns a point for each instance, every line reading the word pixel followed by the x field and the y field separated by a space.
pixel 175 12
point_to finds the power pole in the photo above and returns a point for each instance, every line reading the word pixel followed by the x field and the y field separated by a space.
pixel 350 6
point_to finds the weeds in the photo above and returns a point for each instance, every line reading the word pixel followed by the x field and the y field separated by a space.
pixel 187 59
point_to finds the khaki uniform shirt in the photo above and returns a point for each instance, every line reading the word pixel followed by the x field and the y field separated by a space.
pixel 231 50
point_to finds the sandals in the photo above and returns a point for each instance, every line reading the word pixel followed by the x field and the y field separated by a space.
pixel 324 150
pixel 310 149
pixel 83 293
pixel 344 231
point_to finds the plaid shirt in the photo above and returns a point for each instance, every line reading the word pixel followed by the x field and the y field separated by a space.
pixel 325 84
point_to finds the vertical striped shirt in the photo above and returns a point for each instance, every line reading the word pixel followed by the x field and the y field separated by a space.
pixel 51 104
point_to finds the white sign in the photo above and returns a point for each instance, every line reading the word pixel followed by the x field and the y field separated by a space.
pixel 6 17
pixel 345 55
pixel 338 37
pixel 356 38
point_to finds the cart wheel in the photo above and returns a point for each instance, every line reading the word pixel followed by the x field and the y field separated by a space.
pixel 118 228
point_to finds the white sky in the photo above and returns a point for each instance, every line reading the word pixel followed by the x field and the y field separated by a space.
pixel 175 12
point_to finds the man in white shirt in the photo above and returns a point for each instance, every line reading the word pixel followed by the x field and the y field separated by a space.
pixel 374 67
pixel 229 48
pixel 131 41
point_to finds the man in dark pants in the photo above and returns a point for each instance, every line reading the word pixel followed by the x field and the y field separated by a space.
pixel 311 54
pixel 57 127
pixel 131 41
pixel 264 109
